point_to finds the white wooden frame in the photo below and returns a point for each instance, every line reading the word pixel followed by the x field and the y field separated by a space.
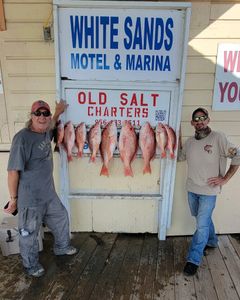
pixel 168 166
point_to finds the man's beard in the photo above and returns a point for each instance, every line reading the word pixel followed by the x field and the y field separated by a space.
pixel 202 133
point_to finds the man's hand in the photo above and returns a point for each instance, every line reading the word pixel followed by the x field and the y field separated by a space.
pixel 12 206
pixel 215 181
pixel 60 107
pixel 220 180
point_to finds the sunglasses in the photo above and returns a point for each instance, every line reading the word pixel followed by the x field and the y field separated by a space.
pixel 201 118
pixel 45 113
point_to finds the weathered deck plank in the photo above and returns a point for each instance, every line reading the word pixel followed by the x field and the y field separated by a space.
pixel 84 286
pixel 222 281
pixel 235 240
pixel 126 266
pixel 62 271
pixel 203 283
pixel 104 288
pixel 147 269
pixel 231 260
pixel 128 273
pixel 165 275
pixel 184 285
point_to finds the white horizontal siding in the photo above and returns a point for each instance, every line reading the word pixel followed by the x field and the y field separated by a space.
pixel 28 69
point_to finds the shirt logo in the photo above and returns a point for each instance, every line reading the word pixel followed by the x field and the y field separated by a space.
pixel 208 149
pixel 232 152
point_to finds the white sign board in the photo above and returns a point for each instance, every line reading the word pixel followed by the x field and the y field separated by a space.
pixel 123 60
pixel 91 105
pixel 124 45
pixel 227 79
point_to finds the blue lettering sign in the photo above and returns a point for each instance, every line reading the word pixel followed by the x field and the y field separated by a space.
pixel 148 33
pixel 94 32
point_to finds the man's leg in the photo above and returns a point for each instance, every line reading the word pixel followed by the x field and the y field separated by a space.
pixel 212 239
pixel 56 218
pixel 29 222
pixel 200 238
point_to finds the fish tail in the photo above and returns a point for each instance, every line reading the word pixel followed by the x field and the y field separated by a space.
pixel 92 159
pixel 163 155
pixel 128 171
pixel 56 148
pixel 79 154
pixel 147 169
pixel 69 157
pixel 104 171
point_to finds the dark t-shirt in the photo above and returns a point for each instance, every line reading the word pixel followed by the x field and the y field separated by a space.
pixel 31 155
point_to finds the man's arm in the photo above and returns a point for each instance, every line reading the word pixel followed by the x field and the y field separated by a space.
pixel 221 180
pixel 13 180
pixel 59 109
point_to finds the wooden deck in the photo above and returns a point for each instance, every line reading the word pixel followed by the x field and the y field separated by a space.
pixel 126 266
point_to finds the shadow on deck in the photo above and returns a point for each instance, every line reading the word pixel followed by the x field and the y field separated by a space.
pixel 126 266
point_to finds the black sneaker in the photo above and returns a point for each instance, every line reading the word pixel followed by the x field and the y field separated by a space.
pixel 190 269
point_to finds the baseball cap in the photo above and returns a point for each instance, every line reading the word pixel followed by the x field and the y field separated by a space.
pixel 39 104
pixel 200 109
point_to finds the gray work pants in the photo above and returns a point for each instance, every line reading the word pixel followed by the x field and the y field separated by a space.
pixel 55 216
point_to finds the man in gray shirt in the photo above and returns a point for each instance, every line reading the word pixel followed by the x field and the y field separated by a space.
pixel 31 187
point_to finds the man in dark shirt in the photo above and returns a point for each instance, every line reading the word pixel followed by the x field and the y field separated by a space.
pixel 31 187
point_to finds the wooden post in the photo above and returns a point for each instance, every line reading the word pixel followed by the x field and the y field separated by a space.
pixel 2 17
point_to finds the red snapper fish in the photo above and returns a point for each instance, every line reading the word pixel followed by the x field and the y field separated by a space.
pixel 69 139
pixel 81 135
pixel 60 133
pixel 161 138
pixel 108 145
pixel 58 138
pixel 127 146
pixel 94 140
pixel 147 143
pixel 171 144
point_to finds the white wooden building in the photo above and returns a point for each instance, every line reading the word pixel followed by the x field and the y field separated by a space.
pixel 28 73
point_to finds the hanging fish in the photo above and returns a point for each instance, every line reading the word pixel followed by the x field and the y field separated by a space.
pixel 59 135
pixel 108 145
pixel 127 146
pixel 69 139
pixel 94 140
pixel 161 138
pixel 171 140
pixel 147 143
pixel 80 137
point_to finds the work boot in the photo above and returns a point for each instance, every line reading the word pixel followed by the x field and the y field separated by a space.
pixel 190 269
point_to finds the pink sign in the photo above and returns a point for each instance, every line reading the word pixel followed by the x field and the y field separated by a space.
pixel 227 79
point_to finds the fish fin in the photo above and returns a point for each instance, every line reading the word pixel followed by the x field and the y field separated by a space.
pixel 128 171
pixel 147 169
pixel 163 155
pixel 104 171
